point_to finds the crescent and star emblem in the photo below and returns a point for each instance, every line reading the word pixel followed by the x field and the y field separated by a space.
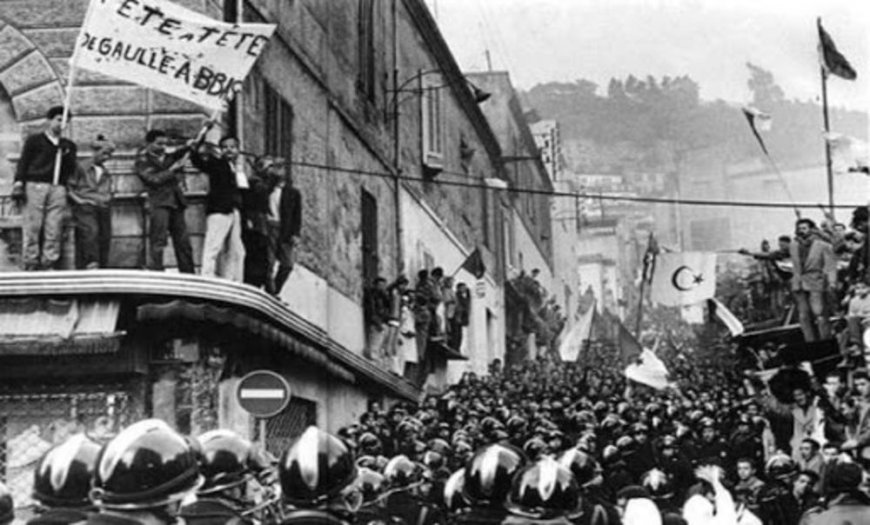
pixel 685 279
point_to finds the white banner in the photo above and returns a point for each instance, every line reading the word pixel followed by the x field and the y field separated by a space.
pixel 683 278
pixel 163 46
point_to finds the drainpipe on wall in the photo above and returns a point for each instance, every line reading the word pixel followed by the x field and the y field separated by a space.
pixel 239 107
pixel 397 186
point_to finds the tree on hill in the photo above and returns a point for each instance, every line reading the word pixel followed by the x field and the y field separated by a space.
pixel 640 123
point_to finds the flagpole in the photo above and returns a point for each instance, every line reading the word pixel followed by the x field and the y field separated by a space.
pixel 827 121
pixel 640 306
pixel 643 279
pixel 55 180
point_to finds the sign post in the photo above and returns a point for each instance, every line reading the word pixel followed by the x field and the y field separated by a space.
pixel 263 394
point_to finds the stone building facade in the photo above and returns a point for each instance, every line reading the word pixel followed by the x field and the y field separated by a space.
pixel 527 224
pixel 387 145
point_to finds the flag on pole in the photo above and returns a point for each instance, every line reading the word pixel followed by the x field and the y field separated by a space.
pixel 649 258
pixel 758 121
pixel 474 265
pixel 573 340
pixel 168 48
pixel 832 61
pixel 629 348
pixel 649 370
pixel 721 312
pixel 684 278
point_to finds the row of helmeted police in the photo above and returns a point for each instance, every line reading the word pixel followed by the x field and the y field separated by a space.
pixel 151 474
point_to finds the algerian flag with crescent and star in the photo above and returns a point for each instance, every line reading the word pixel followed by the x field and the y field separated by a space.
pixel 684 278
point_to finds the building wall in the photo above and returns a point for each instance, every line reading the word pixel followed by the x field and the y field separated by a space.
pixel 566 232
pixel 343 140
pixel 522 166
pixel 530 255
pixel 428 239
pixel 548 138
pixel 601 252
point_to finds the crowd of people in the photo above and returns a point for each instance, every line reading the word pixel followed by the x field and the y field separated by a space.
pixel 822 270
pixel 539 442
pixel 436 310
pixel 253 211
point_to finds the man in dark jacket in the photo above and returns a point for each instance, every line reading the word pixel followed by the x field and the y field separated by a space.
pixel 43 198
pixel 223 254
pixel 284 222
pixel 161 175
pixel 376 312
pixel 847 503
pixel 255 230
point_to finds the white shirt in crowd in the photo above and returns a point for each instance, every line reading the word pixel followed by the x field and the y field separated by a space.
pixel 698 510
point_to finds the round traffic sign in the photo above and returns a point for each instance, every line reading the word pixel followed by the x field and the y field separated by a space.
pixel 263 393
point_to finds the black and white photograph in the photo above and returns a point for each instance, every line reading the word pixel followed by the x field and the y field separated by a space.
pixel 434 262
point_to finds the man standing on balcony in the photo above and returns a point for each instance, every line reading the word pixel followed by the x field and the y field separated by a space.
pixel 284 222
pixel 815 275
pixel 223 253
pixel 90 190
pixel 161 173
pixel 42 198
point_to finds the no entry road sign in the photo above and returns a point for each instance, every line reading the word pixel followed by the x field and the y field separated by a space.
pixel 263 393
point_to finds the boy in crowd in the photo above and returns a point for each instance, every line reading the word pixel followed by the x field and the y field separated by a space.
pixel 90 191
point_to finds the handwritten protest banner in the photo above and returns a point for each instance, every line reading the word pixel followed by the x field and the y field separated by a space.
pixel 166 47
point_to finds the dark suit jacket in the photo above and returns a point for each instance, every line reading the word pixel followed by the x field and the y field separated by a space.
pixel 163 185
pixel 224 195
pixel 38 156
pixel 291 213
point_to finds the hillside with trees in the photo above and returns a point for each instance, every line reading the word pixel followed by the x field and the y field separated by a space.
pixel 637 124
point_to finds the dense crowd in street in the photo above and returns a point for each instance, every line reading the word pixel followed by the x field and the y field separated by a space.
pixel 539 442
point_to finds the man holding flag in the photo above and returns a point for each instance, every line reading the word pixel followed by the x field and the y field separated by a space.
pixel 43 198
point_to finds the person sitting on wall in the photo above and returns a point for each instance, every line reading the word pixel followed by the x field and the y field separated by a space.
pixel 161 174
pixel 90 191
pixel 43 199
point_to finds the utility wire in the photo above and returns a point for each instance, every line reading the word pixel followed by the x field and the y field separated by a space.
pixel 573 195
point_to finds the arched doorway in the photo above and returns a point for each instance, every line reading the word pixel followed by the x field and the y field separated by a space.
pixel 10 141
pixel 10 145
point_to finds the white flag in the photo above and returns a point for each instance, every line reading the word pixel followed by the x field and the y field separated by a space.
pixel 168 48
pixel 684 278
pixel 726 316
pixel 649 370
pixel 574 339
